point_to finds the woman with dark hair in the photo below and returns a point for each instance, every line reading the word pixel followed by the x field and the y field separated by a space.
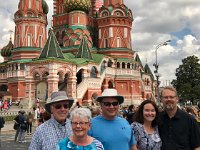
pixel 145 126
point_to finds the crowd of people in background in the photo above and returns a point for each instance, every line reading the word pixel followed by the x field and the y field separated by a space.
pixel 5 104
pixel 61 125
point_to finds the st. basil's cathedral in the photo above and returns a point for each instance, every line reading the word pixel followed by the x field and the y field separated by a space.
pixel 87 49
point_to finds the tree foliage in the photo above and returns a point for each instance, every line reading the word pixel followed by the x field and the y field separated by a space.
pixel 187 80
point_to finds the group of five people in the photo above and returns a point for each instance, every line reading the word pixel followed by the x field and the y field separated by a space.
pixel 172 129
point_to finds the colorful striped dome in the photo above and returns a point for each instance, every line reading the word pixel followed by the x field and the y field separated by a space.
pixel 6 50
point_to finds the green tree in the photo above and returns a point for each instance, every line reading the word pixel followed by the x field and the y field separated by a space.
pixel 187 80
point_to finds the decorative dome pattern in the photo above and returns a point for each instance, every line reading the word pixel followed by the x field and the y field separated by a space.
pixel 82 5
pixel 6 51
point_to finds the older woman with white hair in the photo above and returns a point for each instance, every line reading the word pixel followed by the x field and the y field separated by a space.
pixel 80 121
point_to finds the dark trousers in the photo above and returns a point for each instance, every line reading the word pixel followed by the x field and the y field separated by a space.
pixel 29 127
pixel 16 134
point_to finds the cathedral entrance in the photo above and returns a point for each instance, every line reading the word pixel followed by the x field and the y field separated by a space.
pixel 42 91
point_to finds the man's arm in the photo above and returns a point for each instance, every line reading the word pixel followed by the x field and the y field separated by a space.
pixel 198 148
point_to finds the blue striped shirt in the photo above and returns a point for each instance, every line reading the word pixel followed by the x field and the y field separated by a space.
pixel 47 135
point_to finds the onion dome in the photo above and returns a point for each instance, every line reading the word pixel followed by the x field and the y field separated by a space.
pixel 45 7
pixel 82 5
pixel 6 50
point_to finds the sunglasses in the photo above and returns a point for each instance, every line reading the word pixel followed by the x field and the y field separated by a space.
pixel 108 104
pixel 59 106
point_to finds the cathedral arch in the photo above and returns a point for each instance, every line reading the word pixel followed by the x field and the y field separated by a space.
pixel 93 73
pixel 118 12
pixel 110 63
pixel 42 90
pixel 45 75
pixel 118 64
pixel 80 76
pixel 103 67
pixel 63 85
pixel 3 87
pixel 123 65
pixel 110 84
pixel 36 76
pixel 104 13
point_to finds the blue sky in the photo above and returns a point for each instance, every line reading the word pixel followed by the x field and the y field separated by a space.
pixel 155 21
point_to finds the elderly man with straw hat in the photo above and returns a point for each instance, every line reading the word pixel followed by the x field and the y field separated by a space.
pixel 58 127
pixel 114 132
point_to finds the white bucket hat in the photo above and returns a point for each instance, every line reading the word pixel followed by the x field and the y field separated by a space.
pixel 58 97
pixel 110 93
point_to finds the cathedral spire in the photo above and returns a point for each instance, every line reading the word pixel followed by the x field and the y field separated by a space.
pixel 51 48
pixel 84 50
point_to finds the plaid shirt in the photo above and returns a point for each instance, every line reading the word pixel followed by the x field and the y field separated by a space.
pixel 48 134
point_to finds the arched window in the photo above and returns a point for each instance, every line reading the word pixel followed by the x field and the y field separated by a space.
pixel 128 66
pixel 123 65
pixel 93 73
pixel 118 65
pixel 103 67
pixel 110 63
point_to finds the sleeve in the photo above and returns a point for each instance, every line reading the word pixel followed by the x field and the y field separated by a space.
pixel 132 141
pixel 57 146
pixel 98 144
pixel 36 143
pixel 136 131
pixel 195 134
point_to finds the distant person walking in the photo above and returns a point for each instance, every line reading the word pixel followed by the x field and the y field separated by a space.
pixel 30 118
pixel 5 105
pixel 22 127
pixel 16 126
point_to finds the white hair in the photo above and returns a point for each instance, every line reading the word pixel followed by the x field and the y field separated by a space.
pixel 81 112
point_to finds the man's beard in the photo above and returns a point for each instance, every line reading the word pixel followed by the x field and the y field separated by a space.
pixel 169 107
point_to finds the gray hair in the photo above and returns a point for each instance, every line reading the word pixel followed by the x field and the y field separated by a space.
pixel 81 112
pixel 171 88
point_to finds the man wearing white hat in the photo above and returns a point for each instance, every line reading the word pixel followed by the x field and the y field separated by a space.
pixel 58 127
pixel 114 132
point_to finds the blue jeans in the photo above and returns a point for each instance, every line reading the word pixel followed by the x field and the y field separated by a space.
pixel 21 135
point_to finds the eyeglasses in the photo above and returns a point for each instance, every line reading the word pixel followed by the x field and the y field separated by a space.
pixel 108 104
pixel 79 123
pixel 59 106
pixel 168 97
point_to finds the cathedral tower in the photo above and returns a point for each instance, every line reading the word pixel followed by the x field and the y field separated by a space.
pixel 114 25
pixel 72 21
pixel 30 29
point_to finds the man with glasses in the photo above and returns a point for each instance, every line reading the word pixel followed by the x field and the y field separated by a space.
pixel 178 129
pixel 58 127
pixel 114 132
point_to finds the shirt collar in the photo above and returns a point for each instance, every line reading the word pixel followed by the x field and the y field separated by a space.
pixel 57 123
pixel 176 116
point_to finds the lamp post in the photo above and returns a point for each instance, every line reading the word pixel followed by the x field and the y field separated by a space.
pixel 156 65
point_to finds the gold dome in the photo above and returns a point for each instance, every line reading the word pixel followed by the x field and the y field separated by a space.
pixel 82 5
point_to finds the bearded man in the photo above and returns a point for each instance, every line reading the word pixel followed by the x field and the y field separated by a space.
pixel 178 129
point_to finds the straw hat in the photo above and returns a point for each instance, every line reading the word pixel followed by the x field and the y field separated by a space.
pixel 110 93
pixel 58 97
